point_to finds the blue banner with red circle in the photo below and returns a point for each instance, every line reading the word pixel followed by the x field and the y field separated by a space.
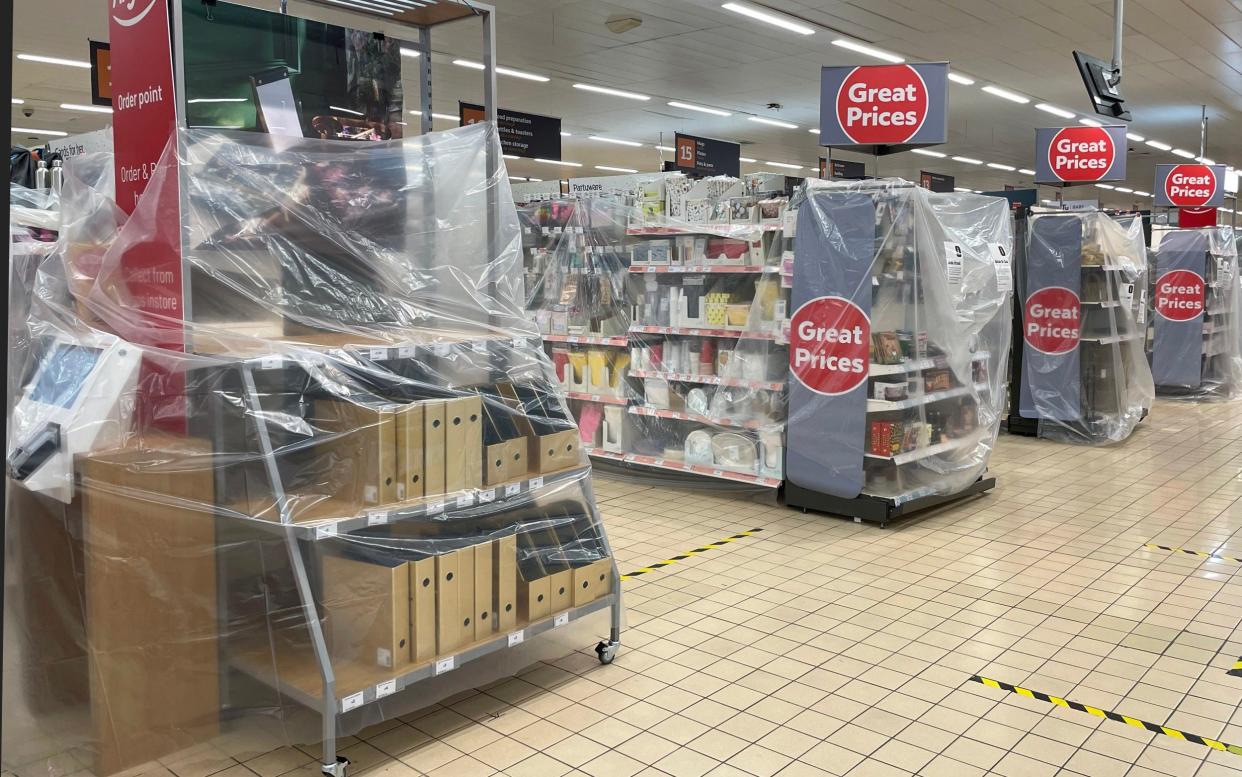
pixel 1052 320
pixel 1178 305
pixel 884 108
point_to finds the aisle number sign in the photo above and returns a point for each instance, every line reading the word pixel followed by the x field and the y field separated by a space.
pixel 1190 186
pixel 1080 154
pixel 884 107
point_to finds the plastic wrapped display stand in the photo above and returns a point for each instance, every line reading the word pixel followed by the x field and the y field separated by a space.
pixel 898 347
pixel 665 309
pixel 345 488
pixel 1195 342
pixel 1082 368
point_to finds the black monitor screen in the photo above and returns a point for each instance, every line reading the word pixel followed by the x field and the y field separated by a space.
pixel 63 374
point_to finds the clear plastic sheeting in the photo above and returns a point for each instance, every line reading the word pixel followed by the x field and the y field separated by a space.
pixel 899 339
pixel 1194 342
pixel 664 308
pixel 288 462
pixel 1084 290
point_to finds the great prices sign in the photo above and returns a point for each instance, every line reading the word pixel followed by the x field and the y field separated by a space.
pixel 1052 320
pixel 884 106
pixel 829 345
pixel 1080 154
pixel 1179 295
pixel 1190 186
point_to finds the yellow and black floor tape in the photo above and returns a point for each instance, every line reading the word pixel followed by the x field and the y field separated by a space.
pixel 690 553
pixel 1237 669
pixel 1155 728
pixel 1198 553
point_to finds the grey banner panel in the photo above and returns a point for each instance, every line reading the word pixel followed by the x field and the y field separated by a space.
pixel 1051 386
pixel 1177 350
pixel 833 255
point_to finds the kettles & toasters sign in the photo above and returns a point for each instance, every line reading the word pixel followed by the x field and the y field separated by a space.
pixel 884 108
pixel 1069 155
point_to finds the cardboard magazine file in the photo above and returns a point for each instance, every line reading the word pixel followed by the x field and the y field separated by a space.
pixel 448 622
pixel 503 447
pixel 361 441
pixel 484 591
pixel 552 439
pixel 534 599
pixel 433 447
pixel 463 444
pixel 366 609
pixel 465 594
pixel 561 590
pixel 410 478
pixel 504 564
pixel 423 609
pixel 592 581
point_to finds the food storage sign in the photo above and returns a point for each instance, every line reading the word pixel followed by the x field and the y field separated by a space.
pixel 1080 154
pixel 884 107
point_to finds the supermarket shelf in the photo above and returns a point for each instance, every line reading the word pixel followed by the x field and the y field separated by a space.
pixel 1109 339
pixel 293 671
pixel 334 348
pixel 709 380
pixel 727 269
pixel 604 398
pixel 655 412
pixel 883 406
pixel 693 332
pixel 619 341
pixel 918 454
pixel 1101 303
pixel 736 231
pixel 678 466
pixel 918 365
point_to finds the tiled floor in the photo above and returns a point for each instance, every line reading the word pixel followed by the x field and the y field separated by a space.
pixel 821 646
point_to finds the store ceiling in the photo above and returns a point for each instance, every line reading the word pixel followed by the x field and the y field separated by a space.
pixel 1179 54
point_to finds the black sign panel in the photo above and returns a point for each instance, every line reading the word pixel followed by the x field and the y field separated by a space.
pixel 936 182
pixel 705 156
pixel 521 134
pixel 842 170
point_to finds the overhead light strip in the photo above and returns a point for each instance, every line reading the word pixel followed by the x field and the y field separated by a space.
pixel 699 108
pixel 1054 110
pixel 770 17
pixel 616 141
pixel 54 61
pixel 1005 94
pixel 612 92
pixel 29 131
pixel 772 122
pixel 504 71
pixel 870 51
pixel 612 169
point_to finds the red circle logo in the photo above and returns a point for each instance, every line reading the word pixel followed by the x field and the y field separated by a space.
pixel 884 104
pixel 1190 185
pixel 830 345
pixel 127 13
pixel 1179 295
pixel 1081 153
pixel 1052 321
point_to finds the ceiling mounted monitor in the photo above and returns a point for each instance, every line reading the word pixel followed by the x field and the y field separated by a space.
pixel 1105 95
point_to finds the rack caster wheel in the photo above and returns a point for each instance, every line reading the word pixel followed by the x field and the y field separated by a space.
pixel 337 769
pixel 607 651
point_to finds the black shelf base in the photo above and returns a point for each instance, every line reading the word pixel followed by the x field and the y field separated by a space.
pixel 1026 427
pixel 876 509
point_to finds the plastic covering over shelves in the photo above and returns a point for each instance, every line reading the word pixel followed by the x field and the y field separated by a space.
pixel 1195 344
pixel 1084 371
pixel 665 308
pixel 346 469
pixel 899 339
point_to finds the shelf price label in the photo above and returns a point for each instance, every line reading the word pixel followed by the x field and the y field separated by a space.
pixel 517 637
pixel 269 363
pixel 377 518
pixel 323 532
pixel 406 352
pixel 441 349
pixel 446 665
pixel 512 489
pixel 385 689
pixel 352 702
pixel 536 483
pixel 465 500
pixel 378 354
pixel 435 508
pixel 560 620
pixel 487 496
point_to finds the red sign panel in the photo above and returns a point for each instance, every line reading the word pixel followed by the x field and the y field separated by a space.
pixel 883 104
pixel 1179 295
pixel 1191 185
pixel 1052 324
pixel 1081 153
pixel 1196 217
pixel 830 345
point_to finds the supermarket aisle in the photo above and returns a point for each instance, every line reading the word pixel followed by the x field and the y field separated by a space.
pixel 819 646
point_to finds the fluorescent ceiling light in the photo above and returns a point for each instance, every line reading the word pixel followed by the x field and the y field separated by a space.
pixel 1026 171
pixel 1125 190
pixel 1183 153
pixel 565 134
pixel 50 133
pixel 772 122
pixel 1005 94
pixel 410 53
pixel 958 78
pixel 616 169
pixel 18 101
pixel 558 162
pixel 613 92
pixel 968 160
pixel 516 178
pixel 54 61
pixel 616 141
pixel 511 156
pixel 504 71
pixel 347 110
pixel 814 131
pixel 197 100
pixel 1142 193
pixel 768 17
pixel 745 159
pixel 1054 110
pixel 999 166
pixel 364 5
pixel 785 165
pixel 1090 122
pixel 86 108
pixel 535 180
pixel 665 148
pixel 870 51
pixel 929 152
pixel 1201 159
pixel 960 189
pixel 699 108
pixel 1159 145
pixel 1105 186
pixel 1135 137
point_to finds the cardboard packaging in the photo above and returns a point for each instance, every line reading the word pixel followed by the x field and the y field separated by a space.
pixel 592 581
pixel 363 448
pixel 484 591
pixel 366 608
pixel 505 567
pixel 448 607
pixel 410 452
pixel 434 441
pixel 423 609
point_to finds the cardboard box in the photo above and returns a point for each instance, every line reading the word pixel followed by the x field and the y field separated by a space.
pixel 592 581
pixel 484 591
pixel 433 447
pixel 363 447
pixel 463 441
pixel 465 593
pixel 448 608
pixel 504 565
pixel 367 611
pixel 534 599
pixel 410 451
pixel 423 609
pixel 561 591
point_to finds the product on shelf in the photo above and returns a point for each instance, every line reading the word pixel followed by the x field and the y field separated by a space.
pixel 1195 342
pixel 1082 282
pixel 896 357
pixel 351 461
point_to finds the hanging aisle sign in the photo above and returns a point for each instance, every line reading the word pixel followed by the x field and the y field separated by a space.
pixel 1190 186
pixel 1181 261
pixel 883 108
pixel 936 182
pixel 1052 320
pixel 705 156
pixel 1069 155
pixel 521 134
